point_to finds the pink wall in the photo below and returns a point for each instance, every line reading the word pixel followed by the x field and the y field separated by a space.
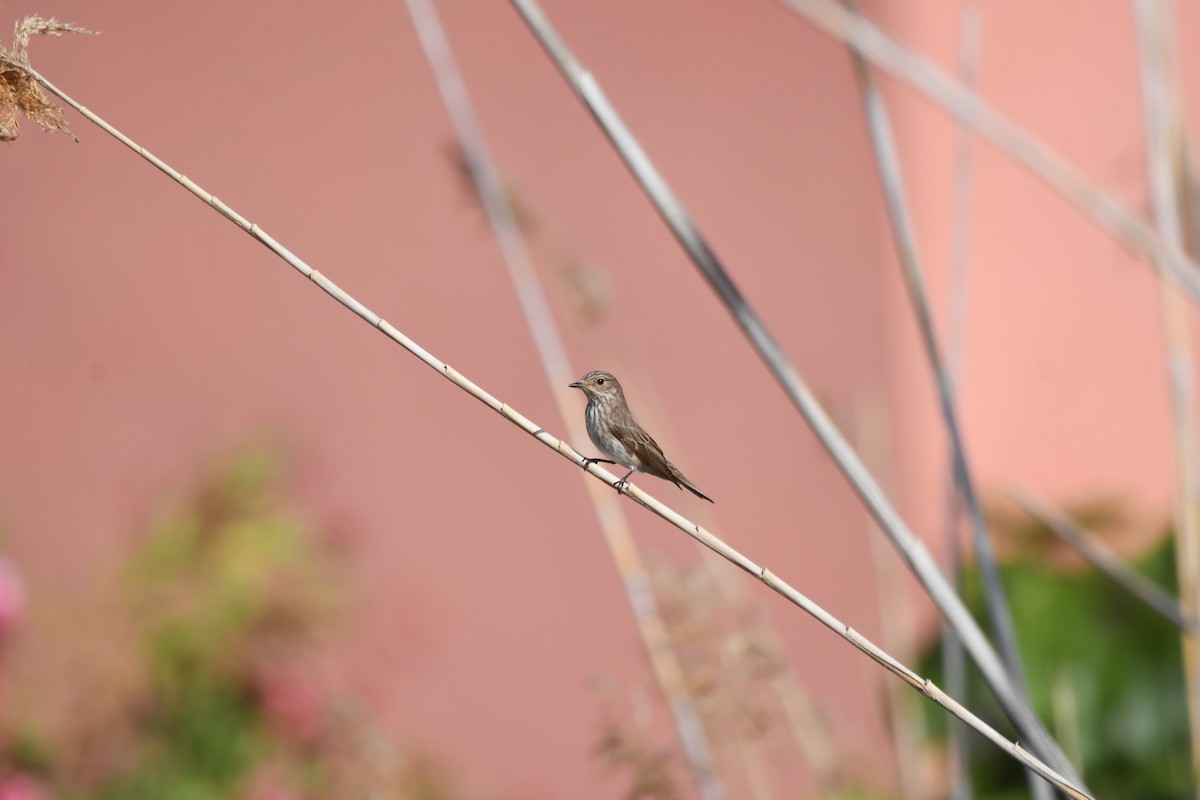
pixel 140 334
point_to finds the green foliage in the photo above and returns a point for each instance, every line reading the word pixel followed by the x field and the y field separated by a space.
pixel 227 594
pixel 223 578
pixel 222 588
pixel 1103 670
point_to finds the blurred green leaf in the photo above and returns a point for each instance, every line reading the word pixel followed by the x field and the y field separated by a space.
pixel 1104 672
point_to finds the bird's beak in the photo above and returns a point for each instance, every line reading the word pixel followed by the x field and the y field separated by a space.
pixel 576 385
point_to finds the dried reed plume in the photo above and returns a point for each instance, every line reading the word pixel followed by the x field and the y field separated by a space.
pixel 19 91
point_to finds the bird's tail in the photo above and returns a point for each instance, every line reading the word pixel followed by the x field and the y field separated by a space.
pixel 687 485
pixel 684 483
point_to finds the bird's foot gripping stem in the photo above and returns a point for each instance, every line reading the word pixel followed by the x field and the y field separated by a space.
pixel 623 484
pixel 587 462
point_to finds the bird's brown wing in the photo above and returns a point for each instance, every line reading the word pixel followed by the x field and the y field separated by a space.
pixel 655 463
pixel 649 453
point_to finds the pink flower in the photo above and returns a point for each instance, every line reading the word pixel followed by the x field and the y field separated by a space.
pixel 292 704
pixel 12 599
pixel 21 787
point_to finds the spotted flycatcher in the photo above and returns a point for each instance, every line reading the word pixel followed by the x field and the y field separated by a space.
pixel 616 434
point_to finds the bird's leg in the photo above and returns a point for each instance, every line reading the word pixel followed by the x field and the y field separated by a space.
pixel 623 484
pixel 587 462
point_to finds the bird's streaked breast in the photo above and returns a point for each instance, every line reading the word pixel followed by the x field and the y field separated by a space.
pixel 605 442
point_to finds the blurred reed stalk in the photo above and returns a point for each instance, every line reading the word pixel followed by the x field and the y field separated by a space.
pixel 756 774
pixel 1099 555
pixel 558 372
pixel 692 529
pixel 904 236
pixel 1007 137
pixel 702 255
pixel 503 218
pixel 806 724
pixel 896 624
pixel 808 728
pixel 953 660
pixel 1166 164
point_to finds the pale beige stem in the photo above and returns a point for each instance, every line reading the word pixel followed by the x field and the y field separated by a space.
pixel 1166 164
pixel 695 531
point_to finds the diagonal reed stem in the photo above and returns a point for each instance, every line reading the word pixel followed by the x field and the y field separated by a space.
pixel 1165 143
pixel 1051 168
pixel 911 549
pixel 695 531
pixel 904 235
pixel 1100 556
pixel 556 367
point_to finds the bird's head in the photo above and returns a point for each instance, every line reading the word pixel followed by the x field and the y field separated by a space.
pixel 599 386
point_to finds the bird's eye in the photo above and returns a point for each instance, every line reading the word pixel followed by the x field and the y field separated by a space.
pixel 599 381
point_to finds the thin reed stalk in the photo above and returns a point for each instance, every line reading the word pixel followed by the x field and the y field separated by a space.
pixel 1166 165
pixel 954 666
pixel 912 549
pixel 1035 155
pixel 695 531
pixel 1101 556
pixel 953 658
pixel 904 236
pixel 552 354
pixel 896 626
pixel 808 729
